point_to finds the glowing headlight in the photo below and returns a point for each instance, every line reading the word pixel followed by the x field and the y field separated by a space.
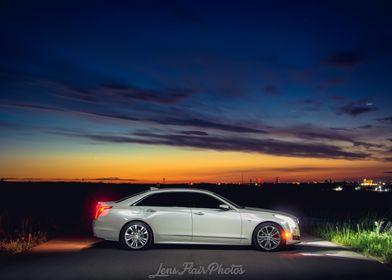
pixel 290 221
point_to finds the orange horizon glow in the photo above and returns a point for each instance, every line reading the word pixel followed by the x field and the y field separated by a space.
pixel 176 165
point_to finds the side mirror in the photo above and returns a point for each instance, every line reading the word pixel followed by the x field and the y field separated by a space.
pixel 224 207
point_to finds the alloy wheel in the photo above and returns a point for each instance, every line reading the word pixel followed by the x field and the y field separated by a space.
pixel 136 236
pixel 268 237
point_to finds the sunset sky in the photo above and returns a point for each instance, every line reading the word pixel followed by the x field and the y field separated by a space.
pixel 196 91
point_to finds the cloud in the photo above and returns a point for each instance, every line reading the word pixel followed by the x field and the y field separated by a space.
pixel 388 172
pixel 186 121
pixel 283 169
pixel 340 128
pixel 345 59
pixel 243 144
pixel 183 121
pixel 367 145
pixel 366 126
pixel 34 107
pixel 387 120
pixel 357 108
pixel 193 132
pixel 124 93
pixel 302 140
pixel 196 122
pixel 313 132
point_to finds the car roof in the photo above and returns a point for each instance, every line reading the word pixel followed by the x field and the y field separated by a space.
pixel 180 190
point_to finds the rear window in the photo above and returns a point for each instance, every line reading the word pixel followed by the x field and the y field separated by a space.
pixel 125 198
pixel 166 199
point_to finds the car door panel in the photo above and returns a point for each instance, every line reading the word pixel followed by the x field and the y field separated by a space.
pixel 216 226
pixel 169 224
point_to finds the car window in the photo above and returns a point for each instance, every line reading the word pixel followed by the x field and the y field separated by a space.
pixel 201 200
pixel 229 201
pixel 174 199
pixel 128 197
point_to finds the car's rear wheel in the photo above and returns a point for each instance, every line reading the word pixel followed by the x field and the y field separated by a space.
pixel 268 237
pixel 136 235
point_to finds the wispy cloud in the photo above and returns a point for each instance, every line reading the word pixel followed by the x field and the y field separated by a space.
pixel 243 144
pixel 357 108
pixel 181 121
pixel 387 120
pixel 194 132
pixel 125 93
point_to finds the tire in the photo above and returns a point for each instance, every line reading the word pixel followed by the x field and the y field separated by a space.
pixel 136 236
pixel 268 237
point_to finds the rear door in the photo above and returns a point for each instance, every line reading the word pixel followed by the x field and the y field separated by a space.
pixel 169 215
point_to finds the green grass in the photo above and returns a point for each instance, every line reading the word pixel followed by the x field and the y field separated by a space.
pixel 372 240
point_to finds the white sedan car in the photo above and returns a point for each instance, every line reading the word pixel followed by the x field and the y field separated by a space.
pixel 191 216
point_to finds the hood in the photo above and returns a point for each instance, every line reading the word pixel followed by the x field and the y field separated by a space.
pixel 254 209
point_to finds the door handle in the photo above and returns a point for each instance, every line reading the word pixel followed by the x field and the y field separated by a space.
pixel 150 210
pixel 199 213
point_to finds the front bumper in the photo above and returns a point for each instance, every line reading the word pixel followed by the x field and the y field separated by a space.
pixel 294 236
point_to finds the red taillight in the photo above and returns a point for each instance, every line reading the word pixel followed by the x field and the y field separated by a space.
pixel 100 209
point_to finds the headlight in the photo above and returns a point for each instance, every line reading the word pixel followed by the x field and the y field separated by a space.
pixel 290 221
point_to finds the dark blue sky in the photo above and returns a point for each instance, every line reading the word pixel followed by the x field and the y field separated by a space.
pixel 307 79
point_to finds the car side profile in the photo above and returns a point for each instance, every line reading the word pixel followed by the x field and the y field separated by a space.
pixel 191 216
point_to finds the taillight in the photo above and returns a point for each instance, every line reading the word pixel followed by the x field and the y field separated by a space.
pixel 100 209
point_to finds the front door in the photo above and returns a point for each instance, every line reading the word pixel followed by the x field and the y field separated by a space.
pixel 211 224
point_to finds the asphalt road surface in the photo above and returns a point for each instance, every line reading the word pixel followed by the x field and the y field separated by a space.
pixel 81 258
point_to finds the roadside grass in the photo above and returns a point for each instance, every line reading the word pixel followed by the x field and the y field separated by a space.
pixel 22 243
pixel 22 239
pixel 369 236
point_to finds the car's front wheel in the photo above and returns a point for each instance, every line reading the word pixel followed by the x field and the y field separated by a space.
pixel 268 237
pixel 136 236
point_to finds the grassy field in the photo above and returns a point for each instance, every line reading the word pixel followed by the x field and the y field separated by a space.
pixel 21 243
pixel 24 238
pixel 370 236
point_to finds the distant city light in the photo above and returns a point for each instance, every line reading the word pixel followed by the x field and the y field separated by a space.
pixel 368 183
pixel 338 189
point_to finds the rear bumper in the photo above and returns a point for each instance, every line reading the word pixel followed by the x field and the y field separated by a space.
pixel 104 232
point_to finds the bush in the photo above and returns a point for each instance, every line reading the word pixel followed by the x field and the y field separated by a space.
pixel 23 238
pixel 373 239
